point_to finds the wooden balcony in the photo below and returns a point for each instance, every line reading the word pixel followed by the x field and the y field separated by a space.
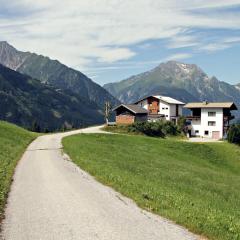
pixel 196 118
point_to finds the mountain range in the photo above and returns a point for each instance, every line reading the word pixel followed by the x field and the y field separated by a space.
pixel 237 86
pixel 186 82
pixel 78 100
pixel 36 106
pixel 35 90
pixel 54 73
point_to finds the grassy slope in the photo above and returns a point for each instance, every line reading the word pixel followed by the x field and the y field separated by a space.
pixel 196 185
pixel 13 142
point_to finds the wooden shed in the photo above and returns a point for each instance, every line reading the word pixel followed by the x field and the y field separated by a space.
pixel 130 113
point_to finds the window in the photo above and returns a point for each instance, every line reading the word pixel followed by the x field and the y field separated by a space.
pixel 197 132
pixel 166 115
pixel 212 114
pixel 167 108
pixel 211 123
pixel 163 108
pixel 206 132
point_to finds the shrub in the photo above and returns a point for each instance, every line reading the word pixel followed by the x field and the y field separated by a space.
pixel 169 128
pixel 154 129
pixel 234 134
pixel 182 124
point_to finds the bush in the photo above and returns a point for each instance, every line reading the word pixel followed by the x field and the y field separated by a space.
pixel 182 125
pixel 155 129
pixel 169 128
pixel 234 134
pixel 116 128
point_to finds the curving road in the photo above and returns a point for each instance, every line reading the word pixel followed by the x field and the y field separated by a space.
pixel 52 199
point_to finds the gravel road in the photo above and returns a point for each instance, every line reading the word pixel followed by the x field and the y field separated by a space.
pixel 52 199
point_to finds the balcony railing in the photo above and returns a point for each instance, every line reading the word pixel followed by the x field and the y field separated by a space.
pixel 193 117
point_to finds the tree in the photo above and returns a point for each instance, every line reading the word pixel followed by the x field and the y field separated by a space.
pixel 107 111
pixel 46 130
pixel 182 124
pixel 234 134
pixel 35 127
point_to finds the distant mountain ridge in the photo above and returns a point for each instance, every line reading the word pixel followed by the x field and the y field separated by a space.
pixel 186 82
pixel 52 72
pixel 237 86
pixel 27 102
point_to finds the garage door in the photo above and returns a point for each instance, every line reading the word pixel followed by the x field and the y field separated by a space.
pixel 216 135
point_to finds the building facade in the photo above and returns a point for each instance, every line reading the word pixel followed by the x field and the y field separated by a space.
pixel 210 120
pixel 161 107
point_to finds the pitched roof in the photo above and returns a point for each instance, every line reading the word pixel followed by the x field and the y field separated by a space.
pixel 230 105
pixel 169 100
pixel 163 98
pixel 133 108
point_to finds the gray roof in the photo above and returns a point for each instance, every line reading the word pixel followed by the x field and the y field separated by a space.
pixel 133 108
pixel 229 105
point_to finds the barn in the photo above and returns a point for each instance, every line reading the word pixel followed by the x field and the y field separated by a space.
pixel 130 113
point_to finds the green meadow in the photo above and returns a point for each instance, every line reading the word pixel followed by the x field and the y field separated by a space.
pixel 195 185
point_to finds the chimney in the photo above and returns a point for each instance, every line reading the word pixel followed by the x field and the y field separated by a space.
pixel 205 102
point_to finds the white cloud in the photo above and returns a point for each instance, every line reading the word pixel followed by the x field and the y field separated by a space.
pixel 145 46
pixel 183 41
pixel 79 32
pixel 178 56
pixel 215 47
pixel 112 55
pixel 232 40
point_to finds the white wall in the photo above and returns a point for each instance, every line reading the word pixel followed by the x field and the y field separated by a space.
pixel 169 110
pixel 164 108
pixel 196 126
pixel 202 125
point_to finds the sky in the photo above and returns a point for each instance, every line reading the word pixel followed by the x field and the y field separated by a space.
pixel 111 40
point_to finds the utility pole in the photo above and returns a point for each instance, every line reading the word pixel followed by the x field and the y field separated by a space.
pixel 107 111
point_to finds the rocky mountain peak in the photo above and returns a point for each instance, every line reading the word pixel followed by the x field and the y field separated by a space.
pixel 5 45
pixel 183 81
pixel 175 67
pixel 180 71
pixel 10 57
pixel 54 73
pixel 6 49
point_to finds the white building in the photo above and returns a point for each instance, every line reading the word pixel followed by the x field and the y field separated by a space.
pixel 210 120
pixel 161 107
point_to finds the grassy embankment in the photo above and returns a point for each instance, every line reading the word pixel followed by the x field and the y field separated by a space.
pixel 13 142
pixel 122 129
pixel 195 185
pixel 126 129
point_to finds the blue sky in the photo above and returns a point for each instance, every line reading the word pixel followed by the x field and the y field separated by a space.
pixel 110 40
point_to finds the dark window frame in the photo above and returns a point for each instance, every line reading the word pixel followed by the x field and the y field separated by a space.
pixel 212 114
pixel 212 123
